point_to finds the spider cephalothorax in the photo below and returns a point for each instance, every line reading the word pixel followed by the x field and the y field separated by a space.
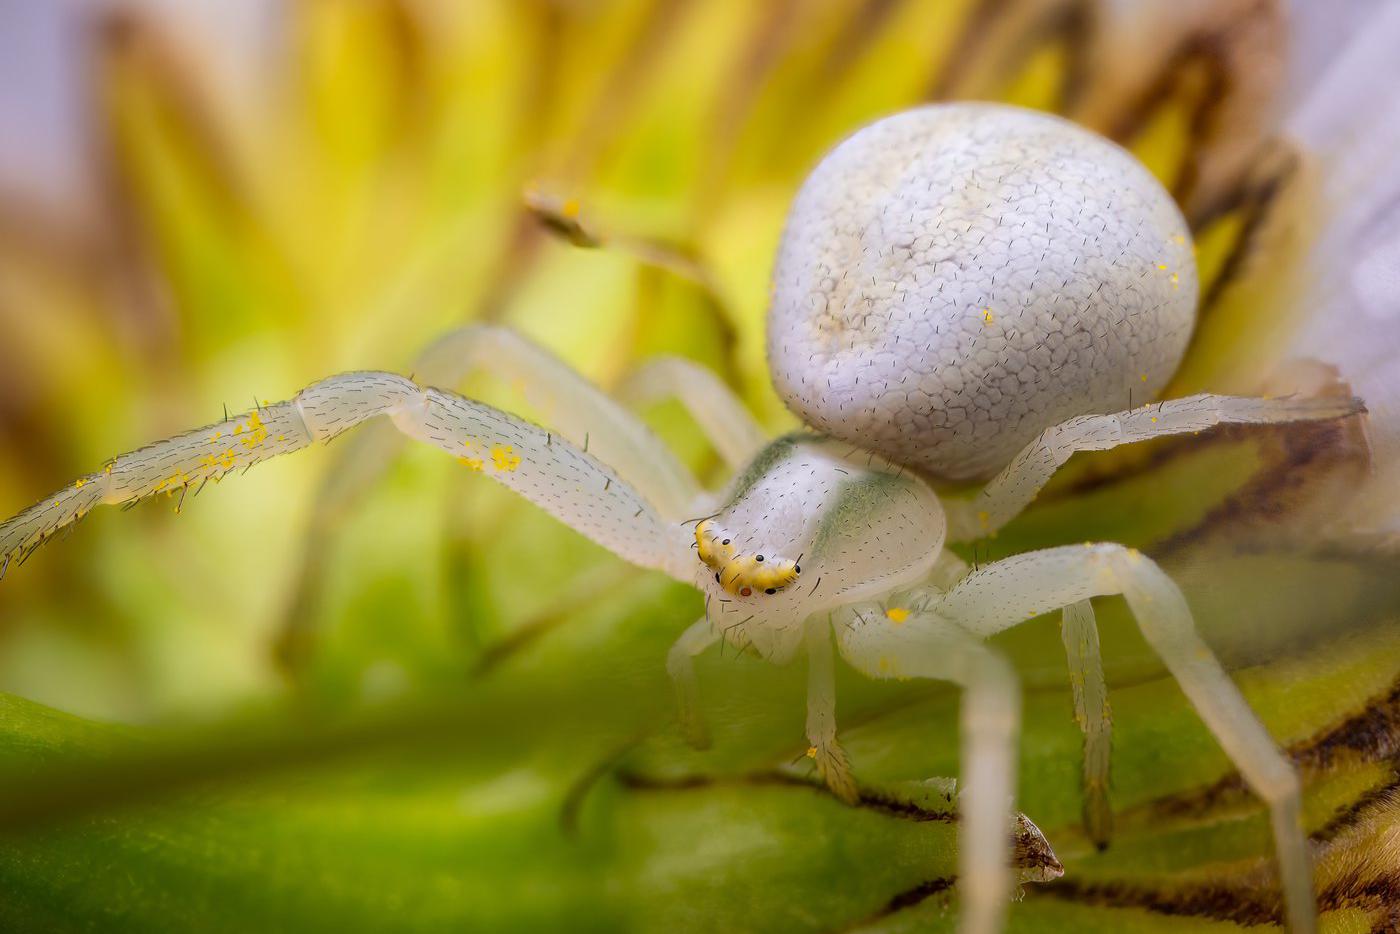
pixel 966 289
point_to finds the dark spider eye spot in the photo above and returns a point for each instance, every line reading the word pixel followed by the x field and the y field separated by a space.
pixel 770 590
pixel 759 558
pixel 797 568
pixel 725 542
pixel 717 577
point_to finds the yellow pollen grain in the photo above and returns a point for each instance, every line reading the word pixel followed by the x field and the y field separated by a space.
pixel 1176 281
pixel 1162 266
pixel 79 483
pixel 811 752
pixel 1143 377
pixel 471 463
pixel 896 614
pixel 570 208
pixel 257 431
pixel 984 518
pixel 987 315
pixel 1154 419
pixel 504 458
pixel 1179 239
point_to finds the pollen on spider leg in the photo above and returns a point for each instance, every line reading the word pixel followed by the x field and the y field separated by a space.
pixel 467 460
pixel 504 458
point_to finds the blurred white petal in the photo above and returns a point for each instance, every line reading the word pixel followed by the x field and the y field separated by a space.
pixel 1349 121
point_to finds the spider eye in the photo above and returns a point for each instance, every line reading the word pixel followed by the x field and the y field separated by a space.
pixel 759 558
pixel 770 590
pixel 797 569
pixel 725 542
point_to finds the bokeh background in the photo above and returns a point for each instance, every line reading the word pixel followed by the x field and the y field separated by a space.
pixel 326 694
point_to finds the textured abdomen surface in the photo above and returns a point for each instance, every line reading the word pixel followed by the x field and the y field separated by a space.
pixel 955 279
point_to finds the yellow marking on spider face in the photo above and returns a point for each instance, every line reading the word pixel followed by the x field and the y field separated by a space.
pixel 744 575
pixel 811 752
pixel 504 458
pixel 713 545
pixel 897 614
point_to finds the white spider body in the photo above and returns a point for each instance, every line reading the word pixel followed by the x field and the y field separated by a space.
pixel 955 279
pixel 956 285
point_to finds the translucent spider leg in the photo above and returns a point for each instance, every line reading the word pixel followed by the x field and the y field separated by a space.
pixel 713 405
pixel 577 409
pixel 1010 591
pixel 568 483
pixel 832 765
pixel 680 665
pixel 1012 490
pixel 924 646
pixel 1091 712
pixel 583 413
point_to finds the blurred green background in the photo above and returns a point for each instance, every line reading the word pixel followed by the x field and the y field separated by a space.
pixel 461 744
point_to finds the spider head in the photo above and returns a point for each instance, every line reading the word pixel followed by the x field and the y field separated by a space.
pixel 743 575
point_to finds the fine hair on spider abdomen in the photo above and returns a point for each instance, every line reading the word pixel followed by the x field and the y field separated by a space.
pixel 955 279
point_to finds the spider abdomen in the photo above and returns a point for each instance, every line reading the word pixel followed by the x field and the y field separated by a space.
pixel 955 279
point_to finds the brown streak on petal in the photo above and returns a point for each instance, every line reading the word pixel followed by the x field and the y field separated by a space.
pixel 1141 64
pixel 1358 870
pixel 768 41
pixel 1306 463
pixel 898 902
pixel 622 88
pixel 864 28
pixel 871 800
pixel 977 35
pixel 1255 199
pixel 1000 38
pixel 1370 735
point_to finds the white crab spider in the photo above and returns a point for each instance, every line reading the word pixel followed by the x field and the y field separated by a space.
pixel 955 284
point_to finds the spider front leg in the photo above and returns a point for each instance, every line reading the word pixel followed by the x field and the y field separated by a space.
pixel 575 407
pixel 1015 589
pixel 832 765
pixel 565 481
pixel 1002 499
pixel 1081 638
pixel 921 645
pixel 680 665
pixel 720 414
